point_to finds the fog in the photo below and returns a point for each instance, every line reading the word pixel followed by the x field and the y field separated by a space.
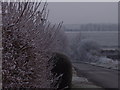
pixel 83 12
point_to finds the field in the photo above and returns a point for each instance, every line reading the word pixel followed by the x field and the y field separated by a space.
pixel 104 38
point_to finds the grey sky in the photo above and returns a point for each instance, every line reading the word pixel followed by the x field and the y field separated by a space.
pixel 83 12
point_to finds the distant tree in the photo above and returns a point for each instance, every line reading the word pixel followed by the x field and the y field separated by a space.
pixel 88 51
pixel 83 49
pixel 26 40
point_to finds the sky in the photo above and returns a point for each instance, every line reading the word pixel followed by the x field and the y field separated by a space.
pixel 83 12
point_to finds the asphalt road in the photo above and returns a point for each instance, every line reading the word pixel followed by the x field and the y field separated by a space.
pixel 103 77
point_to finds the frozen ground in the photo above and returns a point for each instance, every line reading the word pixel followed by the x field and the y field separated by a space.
pixel 107 63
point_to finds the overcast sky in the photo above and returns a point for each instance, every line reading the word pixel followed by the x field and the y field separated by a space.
pixel 83 12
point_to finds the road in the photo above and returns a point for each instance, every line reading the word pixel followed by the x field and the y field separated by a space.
pixel 103 77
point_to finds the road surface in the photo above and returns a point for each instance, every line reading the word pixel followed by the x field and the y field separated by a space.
pixel 103 77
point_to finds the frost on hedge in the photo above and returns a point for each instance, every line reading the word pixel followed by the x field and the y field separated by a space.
pixel 85 50
pixel 89 51
pixel 26 39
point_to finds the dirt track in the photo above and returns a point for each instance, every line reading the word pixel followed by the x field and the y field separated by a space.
pixel 100 76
